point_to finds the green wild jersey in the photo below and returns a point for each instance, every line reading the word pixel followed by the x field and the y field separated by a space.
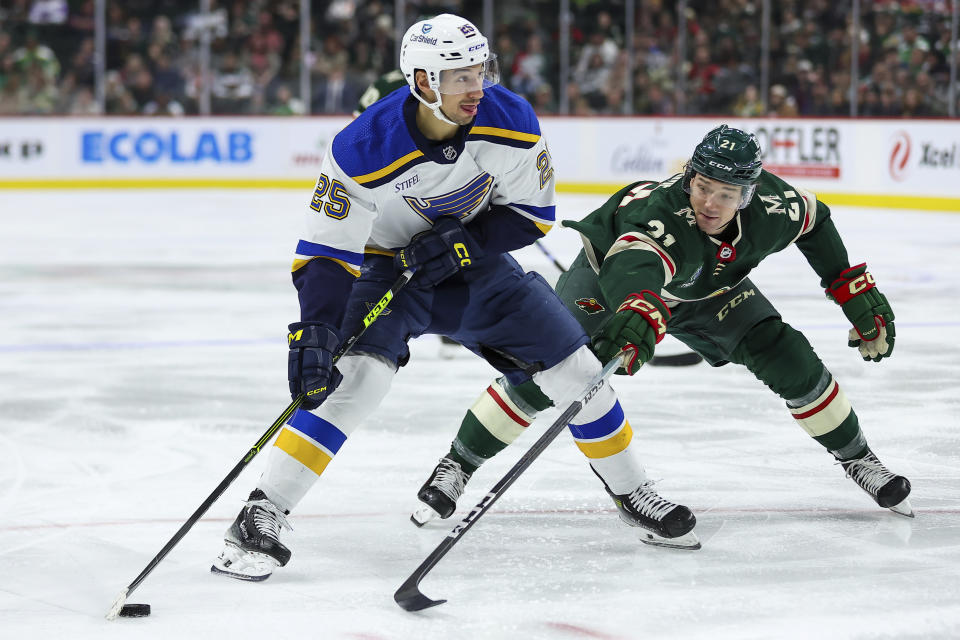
pixel 645 237
pixel 387 83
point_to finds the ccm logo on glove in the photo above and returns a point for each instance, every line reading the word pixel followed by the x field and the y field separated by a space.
pixel 635 303
pixel 462 253
pixel 873 333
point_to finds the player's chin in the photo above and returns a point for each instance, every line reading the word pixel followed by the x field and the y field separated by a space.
pixel 708 224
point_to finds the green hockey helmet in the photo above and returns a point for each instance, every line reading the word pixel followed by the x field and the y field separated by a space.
pixel 728 155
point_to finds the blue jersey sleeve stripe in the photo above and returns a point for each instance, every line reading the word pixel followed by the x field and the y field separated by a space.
pixel 314 250
pixel 318 429
pixel 541 213
pixel 600 428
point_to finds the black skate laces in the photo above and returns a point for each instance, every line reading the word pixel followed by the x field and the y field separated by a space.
pixel 869 473
pixel 268 518
pixel 450 479
pixel 645 500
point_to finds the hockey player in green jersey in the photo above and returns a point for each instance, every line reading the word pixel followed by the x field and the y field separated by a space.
pixel 673 257
pixel 385 84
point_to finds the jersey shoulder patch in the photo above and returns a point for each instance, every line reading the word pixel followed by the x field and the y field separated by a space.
pixel 376 147
pixel 505 118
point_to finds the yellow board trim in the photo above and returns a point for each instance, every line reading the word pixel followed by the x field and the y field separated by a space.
pixel 611 446
pixel 390 168
pixel 919 203
pixel 303 451
pixel 880 201
pixel 158 183
pixel 299 264
pixel 504 133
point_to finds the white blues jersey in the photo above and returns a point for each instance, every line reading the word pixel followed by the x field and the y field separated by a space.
pixel 382 182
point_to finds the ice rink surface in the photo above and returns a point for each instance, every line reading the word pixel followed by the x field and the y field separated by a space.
pixel 142 353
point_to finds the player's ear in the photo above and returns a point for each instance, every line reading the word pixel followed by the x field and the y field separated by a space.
pixel 420 80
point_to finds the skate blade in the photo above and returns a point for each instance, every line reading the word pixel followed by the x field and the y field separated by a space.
pixel 904 508
pixel 423 514
pixel 688 541
pixel 234 562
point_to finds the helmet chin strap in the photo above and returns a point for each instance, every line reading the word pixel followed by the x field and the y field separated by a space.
pixel 433 106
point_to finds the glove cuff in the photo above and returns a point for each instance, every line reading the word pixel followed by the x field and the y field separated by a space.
pixel 653 309
pixel 851 283
pixel 313 334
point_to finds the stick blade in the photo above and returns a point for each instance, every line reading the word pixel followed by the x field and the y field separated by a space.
pixel 117 605
pixel 677 360
pixel 409 597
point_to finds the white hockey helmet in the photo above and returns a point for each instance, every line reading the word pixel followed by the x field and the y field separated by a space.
pixel 446 43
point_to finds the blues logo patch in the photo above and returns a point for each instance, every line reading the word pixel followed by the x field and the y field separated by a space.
pixel 589 305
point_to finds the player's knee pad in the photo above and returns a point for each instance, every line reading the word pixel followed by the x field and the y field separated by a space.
pixel 568 377
pixel 780 357
pixel 366 380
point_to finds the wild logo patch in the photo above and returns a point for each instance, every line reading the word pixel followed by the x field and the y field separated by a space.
pixel 589 305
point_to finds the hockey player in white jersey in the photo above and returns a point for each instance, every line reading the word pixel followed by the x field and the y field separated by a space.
pixel 446 179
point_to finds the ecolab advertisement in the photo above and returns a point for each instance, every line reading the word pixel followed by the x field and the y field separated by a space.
pixel 165 148
pixel 865 159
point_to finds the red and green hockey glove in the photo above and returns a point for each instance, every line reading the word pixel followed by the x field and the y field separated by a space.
pixel 638 325
pixel 867 309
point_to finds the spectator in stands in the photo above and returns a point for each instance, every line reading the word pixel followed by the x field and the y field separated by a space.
pixel 903 45
pixel 285 104
pixel 10 95
pixel 39 94
pixel 749 104
pixel 163 105
pixel 232 85
pixel 82 103
pixel 529 67
pixel 34 55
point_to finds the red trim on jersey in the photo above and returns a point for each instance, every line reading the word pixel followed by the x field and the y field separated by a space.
pixel 506 408
pixel 820 407
pixel 666 258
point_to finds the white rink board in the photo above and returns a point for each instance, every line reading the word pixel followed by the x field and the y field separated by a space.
pixel 873 159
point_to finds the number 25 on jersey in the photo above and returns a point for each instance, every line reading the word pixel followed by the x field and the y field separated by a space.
pixel 330 196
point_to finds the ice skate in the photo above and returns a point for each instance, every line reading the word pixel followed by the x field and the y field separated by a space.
pixel 664 523
pixel 439 494
pixel 252 547
pixel 885 487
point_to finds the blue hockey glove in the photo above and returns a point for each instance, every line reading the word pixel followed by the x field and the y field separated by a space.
pixel 310 369
pixel 638 325
pixel 867 310
pixel 438 253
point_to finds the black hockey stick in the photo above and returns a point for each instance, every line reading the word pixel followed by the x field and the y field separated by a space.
pixel 553 258
pixel 672 360
pixel 255 449
pixel 409 596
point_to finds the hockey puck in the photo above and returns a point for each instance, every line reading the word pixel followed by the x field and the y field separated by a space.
pixel 135 611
